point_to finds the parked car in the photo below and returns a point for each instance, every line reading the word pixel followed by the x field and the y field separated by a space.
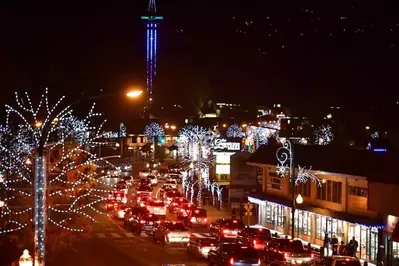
pixel 287 250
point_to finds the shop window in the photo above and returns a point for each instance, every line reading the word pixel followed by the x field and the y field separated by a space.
pixel 302 222
pixel 304 189
pixel 269 216
pixel 357 191
pixel 395 250
pixel 330 191
pixel 281 214
pixel 274 180
pixel 224 177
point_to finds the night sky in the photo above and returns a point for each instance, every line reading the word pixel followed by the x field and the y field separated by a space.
pixel 261 52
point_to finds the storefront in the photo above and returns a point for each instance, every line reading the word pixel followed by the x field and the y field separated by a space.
pixel 392 240
pixel 312 227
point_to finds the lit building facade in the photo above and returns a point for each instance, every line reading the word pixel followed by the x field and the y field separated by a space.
pixel 339 206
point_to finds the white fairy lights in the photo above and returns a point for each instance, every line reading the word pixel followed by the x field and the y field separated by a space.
pixel 323 135
pixel 235 131
pixel 53 133
pixel 153 130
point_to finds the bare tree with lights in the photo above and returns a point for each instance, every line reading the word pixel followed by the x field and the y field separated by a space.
pixel 48 166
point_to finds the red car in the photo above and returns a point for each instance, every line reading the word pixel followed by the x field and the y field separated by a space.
pixel 184 210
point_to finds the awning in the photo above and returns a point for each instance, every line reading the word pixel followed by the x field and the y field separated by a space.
pixel 395 233
pixel 366 221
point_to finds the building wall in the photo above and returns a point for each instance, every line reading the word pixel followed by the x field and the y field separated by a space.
pixel 385 198
pixel 349 202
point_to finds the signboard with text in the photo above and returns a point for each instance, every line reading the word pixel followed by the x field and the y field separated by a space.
pixel 224 145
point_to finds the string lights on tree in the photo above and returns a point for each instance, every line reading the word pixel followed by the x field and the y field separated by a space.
pixel 154 130
pixel 122 130
pixel 323 135
pixel 235 131
pixel 62 179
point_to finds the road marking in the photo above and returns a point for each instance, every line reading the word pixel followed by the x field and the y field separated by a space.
pixel 116 235
pixel 100 235
pixel 129 235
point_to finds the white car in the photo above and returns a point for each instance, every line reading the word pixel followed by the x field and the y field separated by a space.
pixel 172 183
pixel 153 179
pixel 144 173
pixel 157 207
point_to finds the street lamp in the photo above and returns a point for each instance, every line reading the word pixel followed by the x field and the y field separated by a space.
pixel 134 93
pixel 299 199
pixel 26 259
pixel 38 124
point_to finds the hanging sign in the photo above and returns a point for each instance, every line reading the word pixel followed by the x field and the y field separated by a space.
pixel 223 144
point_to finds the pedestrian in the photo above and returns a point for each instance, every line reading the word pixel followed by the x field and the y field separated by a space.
pixel 342 249
pixel 275 235
pixel 286 237
pixel 309 246
pixel 352 247
pixel 380 256
pixel 233 213
pixel 334 245
pixel 326 243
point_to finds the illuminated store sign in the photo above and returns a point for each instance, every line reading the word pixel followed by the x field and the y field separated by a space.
pixel 223 144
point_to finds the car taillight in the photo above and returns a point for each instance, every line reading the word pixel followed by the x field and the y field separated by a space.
pixel 226 231
pixel 231 261
pixel 174 204
pixel 254 242
pixel 206 220
pixel 312 256
pixel 142 221
pixel 159 222
pixel 285 255
pixel 258 261
pixel 192 219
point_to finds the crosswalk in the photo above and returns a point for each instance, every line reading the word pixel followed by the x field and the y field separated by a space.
pixel 114 235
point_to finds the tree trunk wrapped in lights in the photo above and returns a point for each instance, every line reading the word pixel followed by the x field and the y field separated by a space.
pixel 29 140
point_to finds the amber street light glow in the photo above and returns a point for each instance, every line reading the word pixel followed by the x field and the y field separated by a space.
pixel 134 94
pixel 38 124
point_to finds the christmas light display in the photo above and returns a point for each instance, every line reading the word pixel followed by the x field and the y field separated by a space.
pixel 284 158
pixel 199 195
pixel 323 135
pixel 122 130
pixel 213 190
pixel 62 178
pixel 306 174
pixel 219 190
pixel 153 130
pixel 235 131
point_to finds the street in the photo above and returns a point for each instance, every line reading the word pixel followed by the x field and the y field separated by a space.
pixel 112 244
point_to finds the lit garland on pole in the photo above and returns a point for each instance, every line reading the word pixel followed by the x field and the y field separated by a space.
pixel 153 131
pixel 323 135
pixel 235 131
pixel 25 139
pixel 122 130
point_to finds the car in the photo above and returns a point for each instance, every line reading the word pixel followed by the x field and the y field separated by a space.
pixel 255 236
pixel 162 173
pixel 113 204
pixel 156 207
pixel 142 201
pixel 132 213
pixel 226 228
pixel 170 195
pixel 184 210
pixel 234 254
pixel 128 180
pixel 145 223
pixel 176 202
pixel 171 233
pixel 290 251
pixel 153 179
pixel 119 212
pixel 120 185
pixel 171 182
pixel 200 244
pixel 145 182
pixel 197 217
pixel 144 191
pixel 337 260
pixel 144 173
pixel 176 176
pixel 120 196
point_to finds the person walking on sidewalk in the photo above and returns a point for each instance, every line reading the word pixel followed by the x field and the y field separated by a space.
pixel 326 244
pixel 334 245
pixel 233 213
pixel 352 247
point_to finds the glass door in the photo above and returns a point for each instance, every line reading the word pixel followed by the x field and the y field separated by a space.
pixel 373 246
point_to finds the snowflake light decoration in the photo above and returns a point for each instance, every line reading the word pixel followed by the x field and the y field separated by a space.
pixel 284 158
pixel 323 135
pixel 122 130
pixel 235 131
pixel 154 130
